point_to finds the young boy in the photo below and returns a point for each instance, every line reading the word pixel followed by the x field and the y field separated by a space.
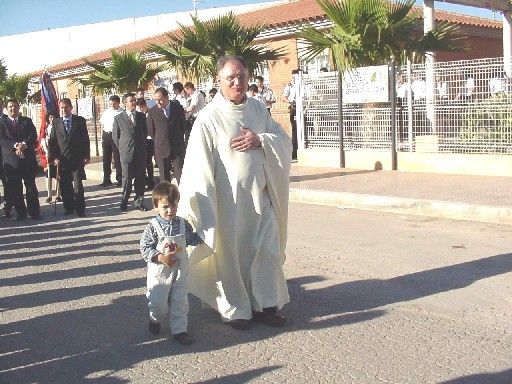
pixel 163 246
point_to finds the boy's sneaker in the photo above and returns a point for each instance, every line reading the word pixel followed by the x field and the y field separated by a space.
pixel 154 327
pixel 183 338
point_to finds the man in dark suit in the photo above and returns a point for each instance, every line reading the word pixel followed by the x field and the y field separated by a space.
pixel 142 106
pixel 69 149
pixel 129 133
pixel 18 137
pixel 166 125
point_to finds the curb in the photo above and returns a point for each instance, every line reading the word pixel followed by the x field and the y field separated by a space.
pixel 391 204
pixel 432 208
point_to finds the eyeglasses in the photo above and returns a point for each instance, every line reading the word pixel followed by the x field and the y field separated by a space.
pixel 231 79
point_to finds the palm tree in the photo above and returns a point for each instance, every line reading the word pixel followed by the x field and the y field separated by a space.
pixel 195 50
pixel 3 70
pixel 126 72
pixel 369 32
pixel 15 87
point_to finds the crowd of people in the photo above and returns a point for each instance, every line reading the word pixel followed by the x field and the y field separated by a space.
pixel 230 180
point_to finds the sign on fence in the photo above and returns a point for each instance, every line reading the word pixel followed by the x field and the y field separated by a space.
pixel 366 85
pixel 85 108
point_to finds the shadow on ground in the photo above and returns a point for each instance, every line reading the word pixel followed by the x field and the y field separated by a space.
pixel 91 344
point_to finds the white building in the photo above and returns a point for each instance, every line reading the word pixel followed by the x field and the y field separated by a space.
pixel 30 52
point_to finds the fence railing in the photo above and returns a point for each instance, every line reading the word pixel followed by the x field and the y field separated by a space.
pixel 467 110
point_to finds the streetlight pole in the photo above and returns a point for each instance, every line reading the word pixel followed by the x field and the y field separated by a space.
pixel 392 99
pixel 340 118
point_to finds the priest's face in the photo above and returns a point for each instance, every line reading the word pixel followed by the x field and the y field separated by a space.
pixel 233 81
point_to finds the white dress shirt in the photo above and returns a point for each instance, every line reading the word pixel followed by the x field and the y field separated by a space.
pixel 107 118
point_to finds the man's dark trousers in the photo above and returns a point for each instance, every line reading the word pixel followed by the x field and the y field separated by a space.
pixel 110 151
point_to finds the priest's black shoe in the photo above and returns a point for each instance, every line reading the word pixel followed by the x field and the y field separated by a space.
pixel 183 338
pixel 123 207
pixel 269 317
pixel 154 327
pixel 240 324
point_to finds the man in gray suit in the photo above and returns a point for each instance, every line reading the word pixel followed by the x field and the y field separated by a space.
pixel 129 133
pixel 166 126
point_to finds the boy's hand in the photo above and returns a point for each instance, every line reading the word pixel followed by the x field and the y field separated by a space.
pixel 168 259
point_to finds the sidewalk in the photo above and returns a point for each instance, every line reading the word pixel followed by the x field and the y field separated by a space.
pixel 461 197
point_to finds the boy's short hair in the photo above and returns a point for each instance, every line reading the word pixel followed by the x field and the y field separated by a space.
pixel 253 88
pixel 165 190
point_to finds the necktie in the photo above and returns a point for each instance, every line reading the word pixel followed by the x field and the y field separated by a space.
pixel 165 112
pixel 132 117
pixel 15 123
pixel 67 125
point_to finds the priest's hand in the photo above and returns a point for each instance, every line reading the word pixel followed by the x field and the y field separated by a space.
pixel 246 141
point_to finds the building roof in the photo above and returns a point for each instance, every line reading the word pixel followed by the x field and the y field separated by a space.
pixel 293 13
pixel 496 5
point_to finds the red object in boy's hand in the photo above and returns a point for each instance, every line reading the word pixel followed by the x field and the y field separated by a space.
pixel 171 247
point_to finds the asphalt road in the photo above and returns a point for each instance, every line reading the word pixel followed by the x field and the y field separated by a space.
pixel 376 298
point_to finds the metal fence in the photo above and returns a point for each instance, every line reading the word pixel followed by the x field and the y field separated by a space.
pixel 466 107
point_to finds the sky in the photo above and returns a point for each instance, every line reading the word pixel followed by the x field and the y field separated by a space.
pixel 50 14
pixel 38 15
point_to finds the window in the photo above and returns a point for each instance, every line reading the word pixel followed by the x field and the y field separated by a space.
pixel 314 65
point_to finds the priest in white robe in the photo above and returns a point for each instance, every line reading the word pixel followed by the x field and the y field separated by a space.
pixel 234 191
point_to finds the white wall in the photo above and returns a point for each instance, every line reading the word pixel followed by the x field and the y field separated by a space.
pixel 31 52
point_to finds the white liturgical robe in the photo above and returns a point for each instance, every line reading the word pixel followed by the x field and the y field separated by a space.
pixel 238 204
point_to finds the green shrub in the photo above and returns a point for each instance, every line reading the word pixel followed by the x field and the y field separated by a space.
pixel 487 125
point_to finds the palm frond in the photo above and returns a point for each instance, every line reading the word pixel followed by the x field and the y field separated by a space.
pixel 195 49
pixel 368 32
pixel 127 71
pixel 15 87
